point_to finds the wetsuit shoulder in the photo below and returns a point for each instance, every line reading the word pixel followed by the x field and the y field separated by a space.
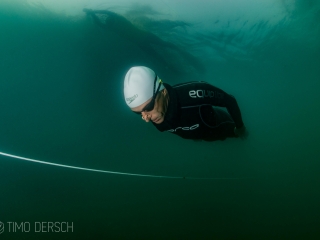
pixel 202 93
pixel 192 93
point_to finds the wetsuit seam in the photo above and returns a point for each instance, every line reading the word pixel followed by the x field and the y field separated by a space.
pixel 189 84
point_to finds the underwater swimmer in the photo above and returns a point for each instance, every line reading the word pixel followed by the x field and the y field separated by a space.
pixel 186 109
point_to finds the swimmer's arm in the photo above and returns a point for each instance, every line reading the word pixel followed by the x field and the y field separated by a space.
pixel 223 99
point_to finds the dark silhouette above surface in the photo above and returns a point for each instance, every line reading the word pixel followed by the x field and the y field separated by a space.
pixel 147 41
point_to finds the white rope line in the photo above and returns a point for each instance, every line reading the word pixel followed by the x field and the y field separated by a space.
pixel 104 171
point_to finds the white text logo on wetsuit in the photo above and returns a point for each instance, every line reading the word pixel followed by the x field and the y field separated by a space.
pixel 184 128
pixel 204 93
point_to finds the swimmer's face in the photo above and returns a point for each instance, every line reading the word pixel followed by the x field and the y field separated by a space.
pixel 157 114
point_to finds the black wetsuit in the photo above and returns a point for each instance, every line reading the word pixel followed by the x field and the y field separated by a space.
pixel 191 113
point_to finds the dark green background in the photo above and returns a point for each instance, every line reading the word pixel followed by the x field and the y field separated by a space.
pixel 61 101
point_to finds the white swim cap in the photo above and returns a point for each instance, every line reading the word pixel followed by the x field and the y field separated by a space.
pixel 139 86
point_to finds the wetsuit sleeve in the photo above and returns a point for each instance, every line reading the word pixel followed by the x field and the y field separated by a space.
pixel 219 98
